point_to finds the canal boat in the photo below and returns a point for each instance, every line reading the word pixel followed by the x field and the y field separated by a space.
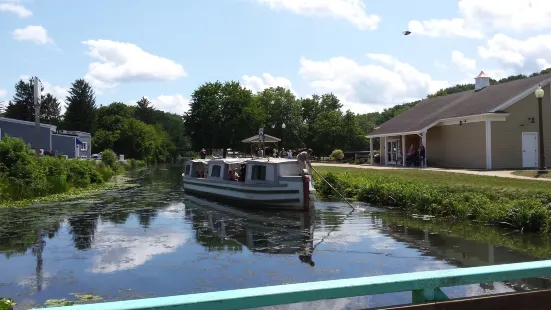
pixel 248 182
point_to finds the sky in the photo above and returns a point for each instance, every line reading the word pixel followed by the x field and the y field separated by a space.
pixel 165 49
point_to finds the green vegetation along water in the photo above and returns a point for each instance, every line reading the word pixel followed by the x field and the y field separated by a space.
pixel 152 240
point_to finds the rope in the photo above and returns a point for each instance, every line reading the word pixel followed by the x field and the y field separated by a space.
pixel 342 196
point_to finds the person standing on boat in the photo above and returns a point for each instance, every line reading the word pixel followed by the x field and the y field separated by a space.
pixel 203 154
pixel 304 160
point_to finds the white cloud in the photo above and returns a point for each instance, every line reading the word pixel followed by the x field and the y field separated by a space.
pixel 367 88
pixel 59 92
pixel 443 28
pixel 478 17
pixel 36 34
pixel 462 62
pixel 120 62
pixel 258 84
pixel 3 92
pixel 17 9
pixel 353 11
pixel 533 53
pixel 177 104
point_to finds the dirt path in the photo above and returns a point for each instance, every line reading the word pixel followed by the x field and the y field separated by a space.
pixel 500 173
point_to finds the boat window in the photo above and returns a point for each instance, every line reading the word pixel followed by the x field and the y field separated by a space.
pixel 188 170
pixel 258 173
pixel 215 172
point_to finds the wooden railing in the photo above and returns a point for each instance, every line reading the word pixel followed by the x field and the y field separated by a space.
pixel 424 286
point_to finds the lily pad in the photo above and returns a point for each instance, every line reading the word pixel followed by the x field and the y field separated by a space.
pixel 82 297
pixel 50 303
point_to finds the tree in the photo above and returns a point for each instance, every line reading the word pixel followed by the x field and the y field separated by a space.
pixel 219 115
pixel 22 105
pixel 80 111
pixel 113 116
pixel 144 111
pixel 50 110
pixel 104 140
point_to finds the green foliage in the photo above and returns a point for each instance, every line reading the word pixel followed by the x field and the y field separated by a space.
pixel 145 111
pixel 6 304
pixel 337 154
pixel 517 203
pixel 25 176
pixel 22 105
pixel 81 107
pixel 109 158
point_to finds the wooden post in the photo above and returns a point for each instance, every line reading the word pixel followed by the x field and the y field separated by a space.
pixel 403 150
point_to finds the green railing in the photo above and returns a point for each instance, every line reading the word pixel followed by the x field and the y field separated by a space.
pixel 425 286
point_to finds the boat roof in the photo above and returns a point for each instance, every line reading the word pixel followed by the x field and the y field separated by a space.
pixel 229 160
pixel 204 161
pixel 272 160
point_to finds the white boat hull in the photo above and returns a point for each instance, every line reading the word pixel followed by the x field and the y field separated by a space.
pixel 285 194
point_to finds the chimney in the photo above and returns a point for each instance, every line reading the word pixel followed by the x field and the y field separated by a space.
pixel 481 81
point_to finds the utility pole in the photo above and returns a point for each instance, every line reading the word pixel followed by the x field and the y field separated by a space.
pixel 37 88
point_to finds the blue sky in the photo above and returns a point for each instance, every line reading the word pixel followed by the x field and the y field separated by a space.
pixel 353 48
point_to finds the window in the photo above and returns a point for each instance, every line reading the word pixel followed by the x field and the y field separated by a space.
pixel 258 173
pixel 84 146
pixel 188 170
pixel 215 171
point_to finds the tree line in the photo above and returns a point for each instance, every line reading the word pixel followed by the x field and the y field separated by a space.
pixel 140 132
pixel 221 114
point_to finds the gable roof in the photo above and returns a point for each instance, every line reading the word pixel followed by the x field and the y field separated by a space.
pixel 256 139
pixel 467 103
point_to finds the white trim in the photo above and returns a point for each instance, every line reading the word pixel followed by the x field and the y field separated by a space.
pixel 488 144
pixel 451 121
pixel 519 97
pixel 370 149
pixel 84 146
pixel 17 121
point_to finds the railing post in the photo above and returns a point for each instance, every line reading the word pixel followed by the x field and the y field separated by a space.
pixel 427 295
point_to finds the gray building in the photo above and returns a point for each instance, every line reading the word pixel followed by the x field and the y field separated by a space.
pixel 83 140
pixel 74 144
pixel 26 130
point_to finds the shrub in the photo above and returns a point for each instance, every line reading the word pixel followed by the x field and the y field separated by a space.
pixel 337 154
pixel 471 198
pixel 105 171
pixel 109 158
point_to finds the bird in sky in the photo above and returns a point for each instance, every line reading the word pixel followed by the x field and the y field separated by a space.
pixel 407 32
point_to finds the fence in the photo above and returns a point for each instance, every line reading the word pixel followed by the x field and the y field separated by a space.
pixel 424 286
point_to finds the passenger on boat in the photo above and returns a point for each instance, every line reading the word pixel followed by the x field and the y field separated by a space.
pixel 304 160
pixel 232 175
pixel 290 154
pixel 283 153
pixel 203 154
pixel 242 173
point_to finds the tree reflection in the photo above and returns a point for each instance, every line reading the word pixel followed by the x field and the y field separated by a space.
pixel 83 228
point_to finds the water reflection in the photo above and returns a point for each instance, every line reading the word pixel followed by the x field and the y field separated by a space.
pixel 154 241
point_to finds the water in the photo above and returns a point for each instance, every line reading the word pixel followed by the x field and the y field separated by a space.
pixel 154 241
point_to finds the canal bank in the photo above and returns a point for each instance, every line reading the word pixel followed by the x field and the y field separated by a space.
pixel 153 240
pixel 521 204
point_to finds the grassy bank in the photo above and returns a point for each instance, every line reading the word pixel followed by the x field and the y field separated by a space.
pixel 26 178
pixel 522 204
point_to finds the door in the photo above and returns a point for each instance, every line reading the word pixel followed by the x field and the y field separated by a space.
pixel 393 150
pixel 529 149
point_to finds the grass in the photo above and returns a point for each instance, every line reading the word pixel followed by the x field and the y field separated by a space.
pixel 532 174
pixel 522 204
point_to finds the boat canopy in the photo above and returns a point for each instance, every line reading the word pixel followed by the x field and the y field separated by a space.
pixel 204 161
pixel 267 139
pixel 229 161
pixel 271 160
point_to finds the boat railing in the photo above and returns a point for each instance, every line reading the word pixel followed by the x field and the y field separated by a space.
pixel 425 287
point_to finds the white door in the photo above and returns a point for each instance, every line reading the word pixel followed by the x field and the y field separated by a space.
pixel 529 149
pixel 393 149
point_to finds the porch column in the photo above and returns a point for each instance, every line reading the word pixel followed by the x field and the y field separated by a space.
pixel 488 144
pixel 424 143
pixel 403 150
pixel 383 149
pixel 371 149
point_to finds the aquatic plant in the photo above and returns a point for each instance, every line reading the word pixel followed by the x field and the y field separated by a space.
pixel 522 204
pixel 6 304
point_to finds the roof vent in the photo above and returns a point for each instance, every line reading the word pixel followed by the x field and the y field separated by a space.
pixel 481 81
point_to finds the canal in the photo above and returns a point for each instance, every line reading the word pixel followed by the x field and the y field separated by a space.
pixel 152 240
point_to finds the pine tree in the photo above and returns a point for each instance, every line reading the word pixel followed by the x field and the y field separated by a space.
pixel 22 105
pixel 81 107
pixel 144 111
pixel 50 110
